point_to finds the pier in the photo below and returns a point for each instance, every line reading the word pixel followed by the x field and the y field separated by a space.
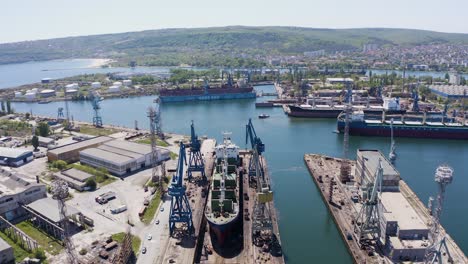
pixel 338 197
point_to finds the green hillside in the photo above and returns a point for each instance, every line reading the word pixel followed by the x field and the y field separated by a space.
pixel 222 46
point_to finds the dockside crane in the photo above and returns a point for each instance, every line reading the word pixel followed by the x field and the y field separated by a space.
pixel 367 222
pixel 262 227
pixel 97 119
pixel 195 159
pixel 180 207
pixel 258 148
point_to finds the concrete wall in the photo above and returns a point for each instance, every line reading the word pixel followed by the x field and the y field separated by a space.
pixel 9 204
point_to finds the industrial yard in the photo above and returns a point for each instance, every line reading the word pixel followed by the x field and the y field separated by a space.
pixel 379 216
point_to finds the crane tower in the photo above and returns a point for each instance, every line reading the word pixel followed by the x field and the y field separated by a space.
pixel 195 159
pixel 438 246
pixel 60 193
pixel 180 207
pixel 367 223
pixel 97 119
pixel 156 175
pixel 345 169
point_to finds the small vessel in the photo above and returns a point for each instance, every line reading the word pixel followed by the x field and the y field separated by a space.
pixel 222 209
pixel 263 116
pixel 44 102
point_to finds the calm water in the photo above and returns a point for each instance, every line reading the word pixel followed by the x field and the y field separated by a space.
pixel 12 75
pixel 308 232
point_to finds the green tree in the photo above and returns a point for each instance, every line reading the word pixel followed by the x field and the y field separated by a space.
pixel 27 115
pixel 447 76
pixel 59 164
pixel 39 254
pixel 91 183
pixel 43 129
pixel 35 142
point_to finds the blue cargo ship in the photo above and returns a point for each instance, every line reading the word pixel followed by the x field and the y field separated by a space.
pixel 226 91
pixel 360 126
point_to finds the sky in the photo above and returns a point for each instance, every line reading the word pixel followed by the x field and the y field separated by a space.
pixel 32 19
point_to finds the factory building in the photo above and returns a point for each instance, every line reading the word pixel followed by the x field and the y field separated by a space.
pixel 71 152
pixel 339 80
pixel 15 157
pixel 127 82
pixel 75 178
pixel 120 157
pixel 450 91
pixel 15 190
pixel 45 141
pixel 366 168
pixel 6 253
pixel 95 85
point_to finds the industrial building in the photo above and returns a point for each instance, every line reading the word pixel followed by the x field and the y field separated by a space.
pixel 404 234
pixel 45 141
pixel 15 156
pixel 74 178
pixel 366 168
pixel 71 152
pixel 339 80
pixel 120 157
pixel 6 253
pixel 450 91
pixel 14 190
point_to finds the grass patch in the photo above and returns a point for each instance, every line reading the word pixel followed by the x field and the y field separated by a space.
pixel 152 207
pixel 136 241
pixel 173 155
pixel 101 174
pixel 91 130
pixel 159 142
pixel 50 244
pixel 18 251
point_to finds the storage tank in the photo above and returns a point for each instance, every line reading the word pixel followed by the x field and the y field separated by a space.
pixel 30 96
pixel 117 84
pixel 71 92
pixel 96 85
pixel 127 82
pixel 47 93
pixel 114 89
pixel 18 94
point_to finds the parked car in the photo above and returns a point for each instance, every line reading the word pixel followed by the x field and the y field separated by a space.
pixel 143 250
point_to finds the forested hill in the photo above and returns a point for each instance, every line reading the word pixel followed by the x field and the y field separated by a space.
pixel 203 45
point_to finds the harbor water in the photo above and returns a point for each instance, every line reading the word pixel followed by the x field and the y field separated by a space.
pixel 307 230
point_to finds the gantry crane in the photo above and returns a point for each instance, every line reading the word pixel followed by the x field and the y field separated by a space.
pixel 257 147
pixel 195 159
pixel 180 206
pixel 262 227
pixel 367 223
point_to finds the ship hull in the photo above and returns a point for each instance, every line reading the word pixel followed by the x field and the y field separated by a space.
pixel 223 232
pixel 206 97
pixel 426 131
pixel 296 111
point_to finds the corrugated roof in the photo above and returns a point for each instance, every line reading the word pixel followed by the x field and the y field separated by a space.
pixel 372 160
pixel 130 146
pixel 81 144
pixel 49 208
pixel 398 209
pixel 106 155
pixel 13 153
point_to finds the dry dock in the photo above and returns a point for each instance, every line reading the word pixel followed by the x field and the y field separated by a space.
pixel 325 170
pixel 249 253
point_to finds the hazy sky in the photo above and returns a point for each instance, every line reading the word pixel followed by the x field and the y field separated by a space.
pixel 33 19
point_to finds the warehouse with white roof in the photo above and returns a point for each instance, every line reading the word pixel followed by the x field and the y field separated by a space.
pixel 121 157
pixel 15 156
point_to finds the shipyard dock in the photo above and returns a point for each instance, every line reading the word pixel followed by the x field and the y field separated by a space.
pixel 249 253
pixel 403 218
pixel 183 249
